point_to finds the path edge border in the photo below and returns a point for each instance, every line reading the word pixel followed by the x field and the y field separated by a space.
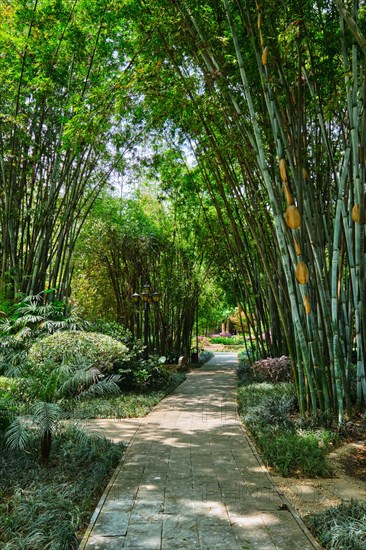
pixel 282 496
pixel 117 470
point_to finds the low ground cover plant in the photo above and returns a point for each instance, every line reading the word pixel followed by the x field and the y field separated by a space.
pixel 227 340
pixel 146 375
pixel 46 508
pixel 269 412
pixel 46 386
pixel 342 527
pixel 126 405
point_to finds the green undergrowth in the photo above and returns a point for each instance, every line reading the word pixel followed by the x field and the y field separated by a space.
pixel 269 412
pixel 128 405
pixel 342 527
pixel 48 507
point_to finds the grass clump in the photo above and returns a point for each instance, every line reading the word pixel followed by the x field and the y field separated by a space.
pixel 342 527
pixel 269 413
pixel 294 453
pixel 48 507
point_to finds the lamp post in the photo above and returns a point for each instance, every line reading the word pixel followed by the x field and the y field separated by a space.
pixel 146 297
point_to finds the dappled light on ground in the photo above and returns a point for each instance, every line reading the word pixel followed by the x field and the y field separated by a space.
pixel 190 479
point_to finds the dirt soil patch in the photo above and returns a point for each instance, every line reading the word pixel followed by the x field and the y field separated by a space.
pixel 311 496
pixel 354 462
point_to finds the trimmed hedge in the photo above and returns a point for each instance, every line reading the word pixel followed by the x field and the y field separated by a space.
pixel 100 350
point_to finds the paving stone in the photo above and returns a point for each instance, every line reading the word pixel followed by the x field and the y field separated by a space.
pixel 190 478
pixel 106 543
pixel 111 523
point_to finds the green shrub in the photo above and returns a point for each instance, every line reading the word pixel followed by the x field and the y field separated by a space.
pixel 293 453
pixel 342 527
pixel 9 406
pixel 97 349
pixel 271 369
pixel 114 330
pixel 227 341
pixel 149 375
pixel 251 395
pixel 8 384
pixel 36 315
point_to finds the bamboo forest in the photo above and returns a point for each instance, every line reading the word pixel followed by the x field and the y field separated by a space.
pixel 177 179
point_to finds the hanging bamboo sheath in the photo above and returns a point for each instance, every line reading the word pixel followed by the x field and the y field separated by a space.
pixel 302 273
pixel 307 304
pixel 356 213
pixel 297 247
pixel 293 217
pixel 264 56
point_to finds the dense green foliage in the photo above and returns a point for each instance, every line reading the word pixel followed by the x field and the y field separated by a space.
pixel 45 508
pixel 267 411
pixel 53 469
pixel 63 71
pixel 127 405
pixel 343 527
pixel 234 134
pixel 93 348
pixel 232 341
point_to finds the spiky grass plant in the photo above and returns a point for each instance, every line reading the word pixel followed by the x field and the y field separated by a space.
pixel 342 527
pixel 48 507
pixel 267 411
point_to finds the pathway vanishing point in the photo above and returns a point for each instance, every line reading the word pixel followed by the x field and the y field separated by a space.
pixel 191 479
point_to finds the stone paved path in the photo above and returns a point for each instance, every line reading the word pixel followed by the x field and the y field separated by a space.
pixel 190 479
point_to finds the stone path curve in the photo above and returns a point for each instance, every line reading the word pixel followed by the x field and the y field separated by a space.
pixel 190 479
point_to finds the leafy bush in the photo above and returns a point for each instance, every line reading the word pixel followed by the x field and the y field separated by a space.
pixel 8 408
pixel 97 349
pixel 7 384
pixel 272 369
pixel 45 508
pixel 114 330
pixel 149 374
pixel 35 316
pixel 8 403
pixel 277 369
pixel 342 527
pixel 250 395
pixel 47 386
pixel 266 405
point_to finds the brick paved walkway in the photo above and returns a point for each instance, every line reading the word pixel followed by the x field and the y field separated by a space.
pixel 190 479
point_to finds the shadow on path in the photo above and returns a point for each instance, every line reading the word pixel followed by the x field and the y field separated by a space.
pixel 191 479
